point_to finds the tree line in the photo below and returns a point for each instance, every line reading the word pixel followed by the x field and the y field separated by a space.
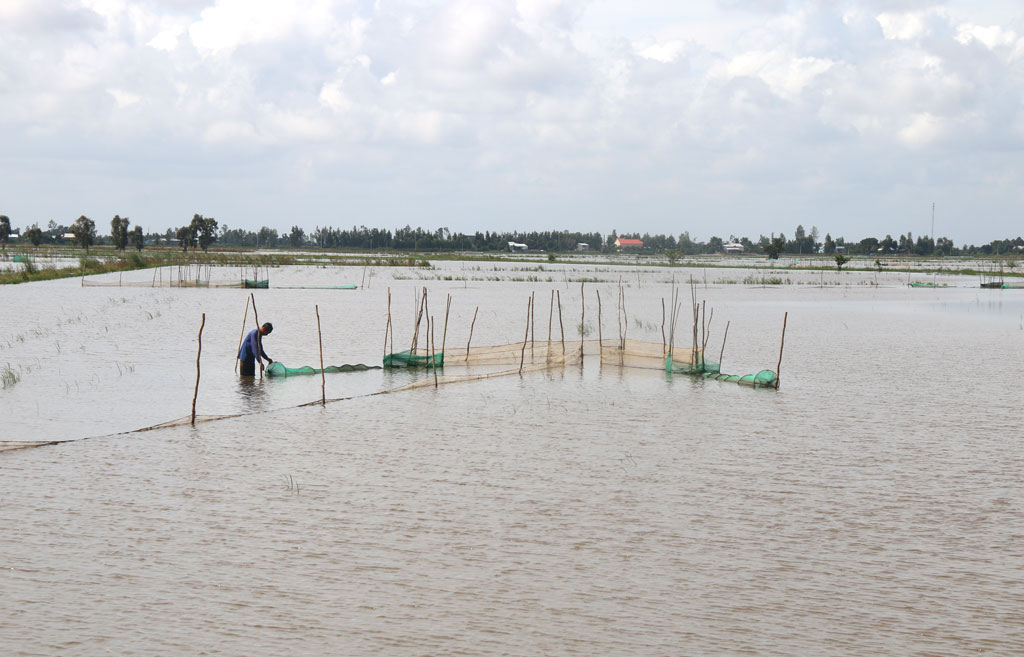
pixel 202 232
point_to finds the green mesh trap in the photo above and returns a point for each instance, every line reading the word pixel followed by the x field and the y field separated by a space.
pixel 276 369
pixel 410 359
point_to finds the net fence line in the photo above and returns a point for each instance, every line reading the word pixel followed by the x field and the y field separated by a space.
pixel 524 357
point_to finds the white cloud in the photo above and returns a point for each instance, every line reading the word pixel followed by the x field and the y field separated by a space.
pixel 577 99
pixel 991 36
pixel 124 98
pixel 923 129
pixel 903 26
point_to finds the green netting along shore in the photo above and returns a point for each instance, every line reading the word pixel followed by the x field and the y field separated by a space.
pixel 712 370
pixel 277 369
pixel 409 359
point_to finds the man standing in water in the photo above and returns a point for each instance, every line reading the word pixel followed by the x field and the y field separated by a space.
pixel 252 350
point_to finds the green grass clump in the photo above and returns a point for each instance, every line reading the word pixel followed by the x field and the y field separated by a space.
pixel 8 377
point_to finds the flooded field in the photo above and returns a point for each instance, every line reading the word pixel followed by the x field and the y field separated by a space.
pixel 874 504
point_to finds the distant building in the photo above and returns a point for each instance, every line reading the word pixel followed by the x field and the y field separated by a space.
pixel 582 246
pixel 734 247
pixel 516 246
pixel 626 243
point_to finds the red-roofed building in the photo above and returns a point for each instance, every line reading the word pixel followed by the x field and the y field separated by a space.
pixel 626 243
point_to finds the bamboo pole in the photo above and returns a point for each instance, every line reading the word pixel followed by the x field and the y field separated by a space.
pixel 387 327
pixel 703 329
pixel 618 312
pixel 707 333
pixel 533 321
pixel 522 355
pixel 430 321
pixel 472 324
pixel 259 334
pixel 551 314
pixel 664 343
pixel 693 342
pixel 199 353
pixel 782 343
pixel 583 316
pixel 433 349
pixel 242 336
pixel 416 328
pixel 724 338
pixel 320 339
pixel 625 319
pixel 561 326
pixel 600 341
pixel 444 335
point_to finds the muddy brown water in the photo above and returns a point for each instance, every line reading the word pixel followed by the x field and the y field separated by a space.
pixel 872 505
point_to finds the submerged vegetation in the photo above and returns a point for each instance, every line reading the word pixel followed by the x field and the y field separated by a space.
pixel 102 260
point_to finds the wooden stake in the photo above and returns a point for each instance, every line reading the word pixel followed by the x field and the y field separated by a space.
pixel 782 343
pixel 416 328
pixel 444 335
pixel 724 338
pixel 522 355
pixel 664 343
pixel 618 314
pixel 242 336
pixel 703 330
pixel 430 320
pixel 259 336
pixel 320 339
pixel 583 324
pixel 433 349
pixel 387 327
pixel 707 334
pixel 472 324
pixel 551 314
pixel 561 326
pixel 533 322
pixel 625 319
pixel 199 353
pixel 600 341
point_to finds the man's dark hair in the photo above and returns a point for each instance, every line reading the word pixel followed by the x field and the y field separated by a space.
pixel 268 327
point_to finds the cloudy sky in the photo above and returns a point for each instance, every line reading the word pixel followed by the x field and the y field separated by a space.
pixel 735 117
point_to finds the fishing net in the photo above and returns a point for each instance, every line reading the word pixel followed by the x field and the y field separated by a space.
pixel 477 363
pixel 656 356
pixel 409 358
pixel 276 369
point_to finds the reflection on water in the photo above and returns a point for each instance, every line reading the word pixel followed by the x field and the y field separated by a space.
pixel 873 505
pixel 252 390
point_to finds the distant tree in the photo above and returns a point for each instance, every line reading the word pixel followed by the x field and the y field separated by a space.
pixel 715 245
pixel 868 245
pixel 841 260
pixel 829 246
pixel 266 237
pixel 672 255
pixel 5 230
pixel 297 237
pixel 119 232
pixel 203 231
pixel 184 235
pixel 34 235
pixel 773 248
pixel 138 239
pixel 84 229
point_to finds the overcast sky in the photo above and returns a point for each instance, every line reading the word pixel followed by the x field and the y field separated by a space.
pixel 739 117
